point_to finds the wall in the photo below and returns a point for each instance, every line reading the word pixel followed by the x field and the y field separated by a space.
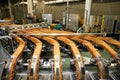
pixel 4 12
pixel 19 11
pixel 106 8
pixel 57 10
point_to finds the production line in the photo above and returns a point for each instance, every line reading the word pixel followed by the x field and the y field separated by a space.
pixel 38 52
pixel 59 40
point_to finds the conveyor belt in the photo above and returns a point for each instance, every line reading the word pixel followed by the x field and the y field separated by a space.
pixel 34 63
pixel 112 52
pixel 101 64
pixel 57 74
pixel 78 58
pixel 110 41
pixel 54 37
pixel 15 56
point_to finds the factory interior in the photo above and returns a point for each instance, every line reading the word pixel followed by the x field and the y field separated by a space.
pixel 59 39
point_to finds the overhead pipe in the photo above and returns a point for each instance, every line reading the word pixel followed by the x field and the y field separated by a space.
pixel 15 56
pixel 103 69
pixel 80 70
pixel 34 62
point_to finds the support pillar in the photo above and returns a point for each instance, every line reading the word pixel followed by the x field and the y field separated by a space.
pixel 30 6
pixel 67 15
pixel 10 9
pixel 87 14
pixel 43 7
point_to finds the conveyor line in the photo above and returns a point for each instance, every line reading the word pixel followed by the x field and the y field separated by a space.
pixel 49 36
pixel 110 41
pixel 56 54
pixel 104 45
pixel 101 64
pixel 34 63
pixel 15 56
pixel 57 73
pixel 80 71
